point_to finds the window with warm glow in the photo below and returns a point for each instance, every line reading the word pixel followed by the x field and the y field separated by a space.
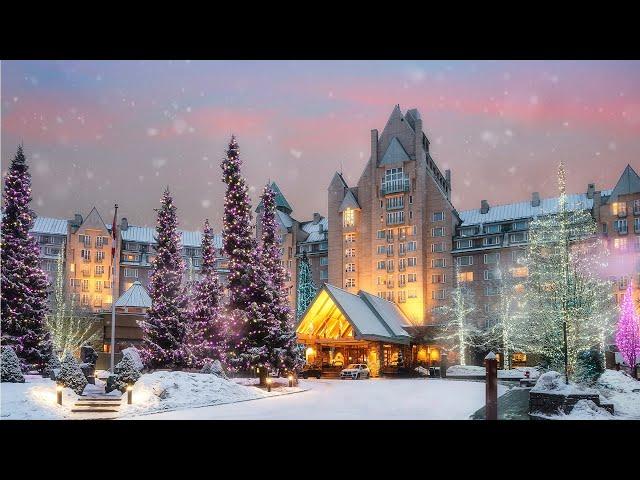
pixel 349 217
pixel 520 272
pixel 465 277
pixel 619 208
pixel 519 357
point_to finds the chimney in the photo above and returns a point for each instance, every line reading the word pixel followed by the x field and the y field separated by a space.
pixel 124 224
pixel 316 218
pixel 484 206
pixel 591 188
pixel 535 199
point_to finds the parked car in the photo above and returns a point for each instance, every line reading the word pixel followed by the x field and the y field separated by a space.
pixel 355 371
pixel 310 371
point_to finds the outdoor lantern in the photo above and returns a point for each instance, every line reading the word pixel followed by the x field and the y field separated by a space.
pixel 129 394
pixel 291 380
pixel 268 384
pixel 59 393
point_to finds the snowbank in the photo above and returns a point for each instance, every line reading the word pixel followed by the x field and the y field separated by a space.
pixel 477 371
pixel 34 400
pixel 617 387
pixel 586 410
pixel 553 383
pixel 162 391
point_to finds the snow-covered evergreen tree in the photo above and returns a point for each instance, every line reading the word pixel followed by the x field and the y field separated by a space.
pixel 306 288
pixel 24 286
pixel 125 373
pixel 10 366
pixel 569 308
pixel 459 331
pixel 71 375
pixel 52 364
pixel 205 339
pixel 165 325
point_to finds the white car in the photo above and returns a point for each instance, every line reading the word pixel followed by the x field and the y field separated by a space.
pixel 355 371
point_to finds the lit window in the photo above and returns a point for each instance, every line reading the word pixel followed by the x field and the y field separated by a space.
pixel 350 282
pixel 411 277
pixel 619 208
pixel 620 243
pixel 99 270
pixel 351 267
pixel 349 217
pixel 350 252
pixel 465 277
pixel 519 272
pixel 350 237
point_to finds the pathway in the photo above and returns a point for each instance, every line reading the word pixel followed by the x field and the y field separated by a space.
pixel 95 404
pixel 513 405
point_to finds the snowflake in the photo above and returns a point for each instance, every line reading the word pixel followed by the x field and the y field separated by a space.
pixel 295 153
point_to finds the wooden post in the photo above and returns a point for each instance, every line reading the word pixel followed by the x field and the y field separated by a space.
pixel 491 402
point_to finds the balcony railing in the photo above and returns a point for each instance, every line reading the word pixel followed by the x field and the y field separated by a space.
pixel 395 186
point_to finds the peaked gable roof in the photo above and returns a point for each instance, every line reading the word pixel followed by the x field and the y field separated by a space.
pixel 135 296
pixel 395 153
pixel 281 201
pixel 629 182
pixel 349 201
pixel 95 218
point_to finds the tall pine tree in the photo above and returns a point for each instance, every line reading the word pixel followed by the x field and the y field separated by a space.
pixel 306 288
pixel 25 286
pixel 205 339
pixel 164 328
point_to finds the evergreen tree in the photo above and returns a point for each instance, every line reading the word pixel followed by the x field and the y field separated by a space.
pixel 306 288
pixel 628 331
pixel 125 373
pixel 458 329
pixel 10 366
pixel 206 334
pixel 52 364
pixel 24 286
pixel 589 366
pixel 71 375
pixel 568 307
pixel 164 328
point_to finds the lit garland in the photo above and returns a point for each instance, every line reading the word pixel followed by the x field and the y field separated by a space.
pixel 165 327
pixel 24 286
pixel 628 331
pixel 306 288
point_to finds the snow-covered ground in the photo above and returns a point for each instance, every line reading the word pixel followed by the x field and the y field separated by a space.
pixel 34 400
pixel 377 398
pixel 477 371
pixel 617 388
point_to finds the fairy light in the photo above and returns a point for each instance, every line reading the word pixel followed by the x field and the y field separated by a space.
pixel 628 331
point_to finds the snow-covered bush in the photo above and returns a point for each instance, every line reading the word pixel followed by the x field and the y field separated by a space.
pixel 214 368
pixel 588 410
pixel 589 366
pixel 71 375
pixel 11 371
pixel 126 373
pixel 134 354
pixel 422 371
pixel 53 364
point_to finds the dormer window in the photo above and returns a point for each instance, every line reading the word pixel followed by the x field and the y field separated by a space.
pixel 349 217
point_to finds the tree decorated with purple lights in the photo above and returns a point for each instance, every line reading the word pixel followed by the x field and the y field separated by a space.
pixel 24 288
pixel 165 327
pixel 205 339
pixel 628 331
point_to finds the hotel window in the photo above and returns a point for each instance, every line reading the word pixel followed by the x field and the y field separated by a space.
pixel 517 256
pixel 621 226
pixel 620 243
pixel 440 278
pixel 402 264
pixel 636 207
pixel 519 272
pixel 85 285
pixel 402 280
pixel 491 258
pixel 465 277
pixel 52 251
pixel 390 235
pixel 86 255
pixel 411 277
pixel 74 282
pixel 414 230
pixel 438 263
pixel 412 294
pixel 99 270
pixel 380 281
pixel 396 202
pixel 389 265
pixel 402 296
pixel 382 265
pixel 131 257
pixel 324 275
pixel 393 176
pixel 493 228
pixel 350 237
pixel 389 296
pixel 619 208
pixel 438 294
pixel 410 199
pixel 101 241
pixel 490 290
pixel 134 247
pixel 402 249
pixel 468 243
pixel 349 217
pixel 99 286
pixel 438 217
pixel 491 240
pixel 492 274
pixel 389 281
pixel 519 225
pixel 412 261
pixel 350 252
pixel 99 256
pixel 519 237
pixel 86 239
pixel 324 261
pixel 131 273
pixel 468 232
pixel 412 246
pixel 437 247
pixel 636 225
pixel 393 218
pixel 351 267
pixel 350 282
pixel 464 261
pixel 437 232
pixel 85 300
pixel 381 234
pixel 390 250
pixel 97 301
pixel 382 249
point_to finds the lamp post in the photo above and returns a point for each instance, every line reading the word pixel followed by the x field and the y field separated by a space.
pixel 59 393
pixel 269 384
pixel 290 380
pixel 129 394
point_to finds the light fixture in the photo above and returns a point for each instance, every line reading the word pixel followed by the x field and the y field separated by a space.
pixel 291 380
pixel 129 394
pixel 59 393
pixel 269 384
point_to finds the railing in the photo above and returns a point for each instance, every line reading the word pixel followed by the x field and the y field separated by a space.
pixel 395 186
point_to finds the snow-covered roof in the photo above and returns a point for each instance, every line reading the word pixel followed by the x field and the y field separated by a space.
pixel 148 234
pixel 390 313
pixel 285 219
pixel 513 211
pixel 135 296
pixel 50 226
pixel 313 229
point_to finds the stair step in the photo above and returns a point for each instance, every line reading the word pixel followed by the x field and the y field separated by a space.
pixel 96 404
pixel 99 399
pixel 93 410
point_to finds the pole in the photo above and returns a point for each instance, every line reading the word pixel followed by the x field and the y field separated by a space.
pixel 491 389
pixel 114 292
